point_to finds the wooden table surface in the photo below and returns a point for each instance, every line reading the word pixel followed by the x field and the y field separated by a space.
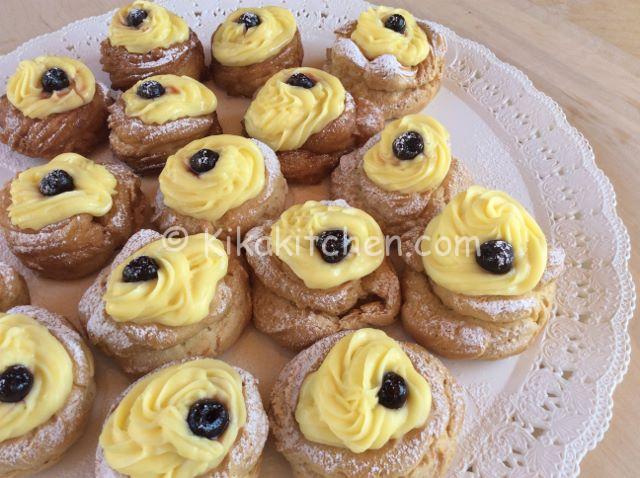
pixel 584 54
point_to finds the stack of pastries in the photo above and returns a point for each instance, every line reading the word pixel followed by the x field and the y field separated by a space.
pixel 221 243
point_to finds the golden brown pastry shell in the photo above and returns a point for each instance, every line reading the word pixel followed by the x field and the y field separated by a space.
pixel 13 288
pixel 45 445
pixel 320 154
pixel 296 316
pixel 79 130
pixel 245 455
pixel 235 223
pixel 146 147
pixel 394 211
pixel 477 327
pixel 246 80
pixel 421 453
pixel 139 348
pixel 125 68
pixel 397 93
pixel 82 244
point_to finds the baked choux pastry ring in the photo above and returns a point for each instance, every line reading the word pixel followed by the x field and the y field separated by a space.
pixel 251 45
pixel 159 115
pixel 146 39
pixel 320 269
pixel 163 300
pixel 362 404
pixel 389 58
pixel 66 218
pixel 53 105
pixel 46 389
pixel 482 283
pixel 402 176
pixel 193 418
pixel 308 118
pixel 222 184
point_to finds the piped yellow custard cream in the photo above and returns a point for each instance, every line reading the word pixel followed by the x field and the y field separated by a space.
pixel 28 348
pixel 176 97
pixel 412 156
pixel 237 176
pixel 143 26
pixel 459 249
pixel 153 431
pixel 349 401
pixel 48 85
pixel 327 243
pixel 284 116
pixel 391 31
pixel 67 185
pixel 183 282
pixel 264 34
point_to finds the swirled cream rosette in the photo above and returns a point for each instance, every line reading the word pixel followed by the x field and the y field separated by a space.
pixel 374 39
pixel 159 29
pixel 338 404
pixel 188 274
pixel 293 241
pixel 147 435
pixel 25 90
pixel 235 45
pixel 285 116
pixel 470 219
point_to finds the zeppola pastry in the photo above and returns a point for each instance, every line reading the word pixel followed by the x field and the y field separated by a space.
pixel 251 45
pixel 46 389
pixel 489 286
pixel 161 301
pixel 222 184
pixel 13 288
pixel 200 418
pixel 317 270
pixel 360 404
pixel 307 117
pixel 157 116
pixel 389 58
pixel 145 40
pixel 53 105
pixel 65 219
pixel 403 176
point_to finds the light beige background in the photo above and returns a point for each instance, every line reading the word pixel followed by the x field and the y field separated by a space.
pixel 583 53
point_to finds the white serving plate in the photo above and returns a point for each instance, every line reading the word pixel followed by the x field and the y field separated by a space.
pixel 536 414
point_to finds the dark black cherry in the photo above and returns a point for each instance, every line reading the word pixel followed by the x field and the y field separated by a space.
pixel 135 17
pixel 495 256
pixel 150 90
pixel 249 19
pixel 142 268
pixel 54 79
pixel 203 161
pixel 55 182
pixel 15 384
pixel 393 392
pixel 208 418
pixel 408 145
pixel 396 22
pixel 301 80
pixel 334 245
